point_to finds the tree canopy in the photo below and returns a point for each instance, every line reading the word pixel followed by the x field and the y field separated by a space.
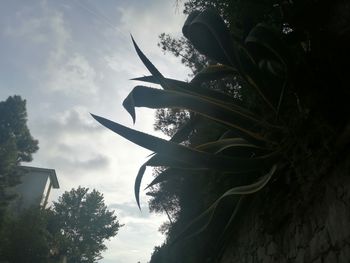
pixel 16 143
pixel 84 223
pixel 14 132
pixel 25 237
pixel 76 226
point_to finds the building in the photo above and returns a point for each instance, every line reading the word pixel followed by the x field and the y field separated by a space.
pixel 35 187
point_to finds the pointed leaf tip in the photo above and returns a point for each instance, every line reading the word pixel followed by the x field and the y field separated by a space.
pixel 129 106
pixel 97 118
pixel 148 64
pixel 137 184
pixel 132 38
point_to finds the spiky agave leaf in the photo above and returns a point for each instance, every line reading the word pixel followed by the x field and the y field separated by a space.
pixel 263 36
pixel 157 160
pixel 209 34
pixel 237 146
pixel 180 153
pixel 171 84
pixel 167 174
pixel 159 78
pixel 160 160
pixel 250 71
pixel 204 220
pixel 151 68
pixel 279 61
pixel 185 130
pixel 190 88
pixel 196 90
pixel 137 184
pixel 220 145
pixel 142 96
pixel 208 25
pixel 213 72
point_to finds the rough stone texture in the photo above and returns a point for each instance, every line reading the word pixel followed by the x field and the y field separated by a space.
pixel 304 220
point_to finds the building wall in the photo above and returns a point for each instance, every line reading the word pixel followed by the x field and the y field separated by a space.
pixel 30 191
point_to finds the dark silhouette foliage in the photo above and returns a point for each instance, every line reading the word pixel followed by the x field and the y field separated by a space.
pixel 315 108
pixel 84 223
pixel 76 227
pixel 16 144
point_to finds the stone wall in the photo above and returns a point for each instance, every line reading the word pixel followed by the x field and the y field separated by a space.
pixel 304 219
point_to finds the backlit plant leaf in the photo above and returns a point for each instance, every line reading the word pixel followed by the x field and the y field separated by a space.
pixel 220 145
pixel 184 132
pixel 195 158
pixel 151 68
pixel 166 174
pixel 142 96
pixel 196 90
pixel 203 221
pixel 262 35
pixel 213 72
pixel 209 34
pixel 235 144
pixel 247 149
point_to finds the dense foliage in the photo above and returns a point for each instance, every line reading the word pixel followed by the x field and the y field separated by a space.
pixel 266 95
pixel 16 144
pixel 314 109
pixel 76 227
pixel 25 238
pixel 85 223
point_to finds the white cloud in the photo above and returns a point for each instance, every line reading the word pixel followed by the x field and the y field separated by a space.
pixel 148 23
pixel 145 24
pixel 78 56
pixel 60 37
pixel 141 238
pixel 71 122
pixel 85 153
pixel 65 142
pixel 45 25
pixel 123 61
pixel 75 77
pixel 30 30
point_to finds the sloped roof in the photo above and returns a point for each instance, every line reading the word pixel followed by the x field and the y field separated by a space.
pixel 51 172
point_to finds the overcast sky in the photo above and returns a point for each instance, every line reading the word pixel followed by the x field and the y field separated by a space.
pixel 71 57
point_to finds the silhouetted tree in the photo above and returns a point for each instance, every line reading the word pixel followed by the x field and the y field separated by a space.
pixel 169 121
pixel 16 143
pixel 25 237
pixel 84 223
pixel 182 48
pixel 76 226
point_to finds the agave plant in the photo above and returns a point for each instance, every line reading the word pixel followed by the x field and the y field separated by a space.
pixel 263 61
